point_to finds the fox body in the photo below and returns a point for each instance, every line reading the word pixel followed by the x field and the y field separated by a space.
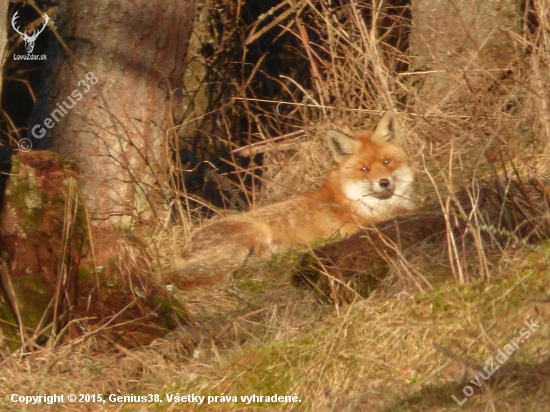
pixel 369 181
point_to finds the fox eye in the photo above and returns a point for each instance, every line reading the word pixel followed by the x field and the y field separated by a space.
pixel 364 169
pixel 386 162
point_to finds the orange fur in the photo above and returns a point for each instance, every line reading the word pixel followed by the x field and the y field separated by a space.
pixel 370 181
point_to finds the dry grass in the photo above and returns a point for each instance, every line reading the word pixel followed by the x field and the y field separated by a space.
pixel 398 350
pixel 374 354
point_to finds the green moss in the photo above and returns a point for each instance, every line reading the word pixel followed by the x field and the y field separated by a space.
pixel 413 313
pixel 263 377
pixel 282 262
pixel 112 266
pixel 23 194
pixel 34 295
pixel 84 274
pixel 170 312
pixel 9 333
pixel 29 202
pixel 253 285
pixel 430 395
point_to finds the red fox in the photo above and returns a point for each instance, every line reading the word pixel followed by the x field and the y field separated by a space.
pixel 369 181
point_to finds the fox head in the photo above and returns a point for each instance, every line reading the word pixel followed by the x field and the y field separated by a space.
pixel 372 166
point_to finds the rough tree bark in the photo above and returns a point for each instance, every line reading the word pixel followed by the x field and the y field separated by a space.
pixel 3 39
pixel 108 100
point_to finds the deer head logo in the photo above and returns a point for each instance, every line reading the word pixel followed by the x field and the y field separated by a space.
pixel 29 40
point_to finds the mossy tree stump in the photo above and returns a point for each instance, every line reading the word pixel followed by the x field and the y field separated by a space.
pixel 49 285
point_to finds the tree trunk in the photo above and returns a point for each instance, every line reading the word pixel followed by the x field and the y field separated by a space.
pixel 3 40
pixel 109 100
pixel 461 46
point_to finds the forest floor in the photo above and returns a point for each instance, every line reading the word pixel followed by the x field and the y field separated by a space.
pixel 289 348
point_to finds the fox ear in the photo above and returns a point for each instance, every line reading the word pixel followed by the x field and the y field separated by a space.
pixel 341 145
pixel 388 129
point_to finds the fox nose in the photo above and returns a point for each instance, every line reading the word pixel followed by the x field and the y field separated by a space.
pixel 384 183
